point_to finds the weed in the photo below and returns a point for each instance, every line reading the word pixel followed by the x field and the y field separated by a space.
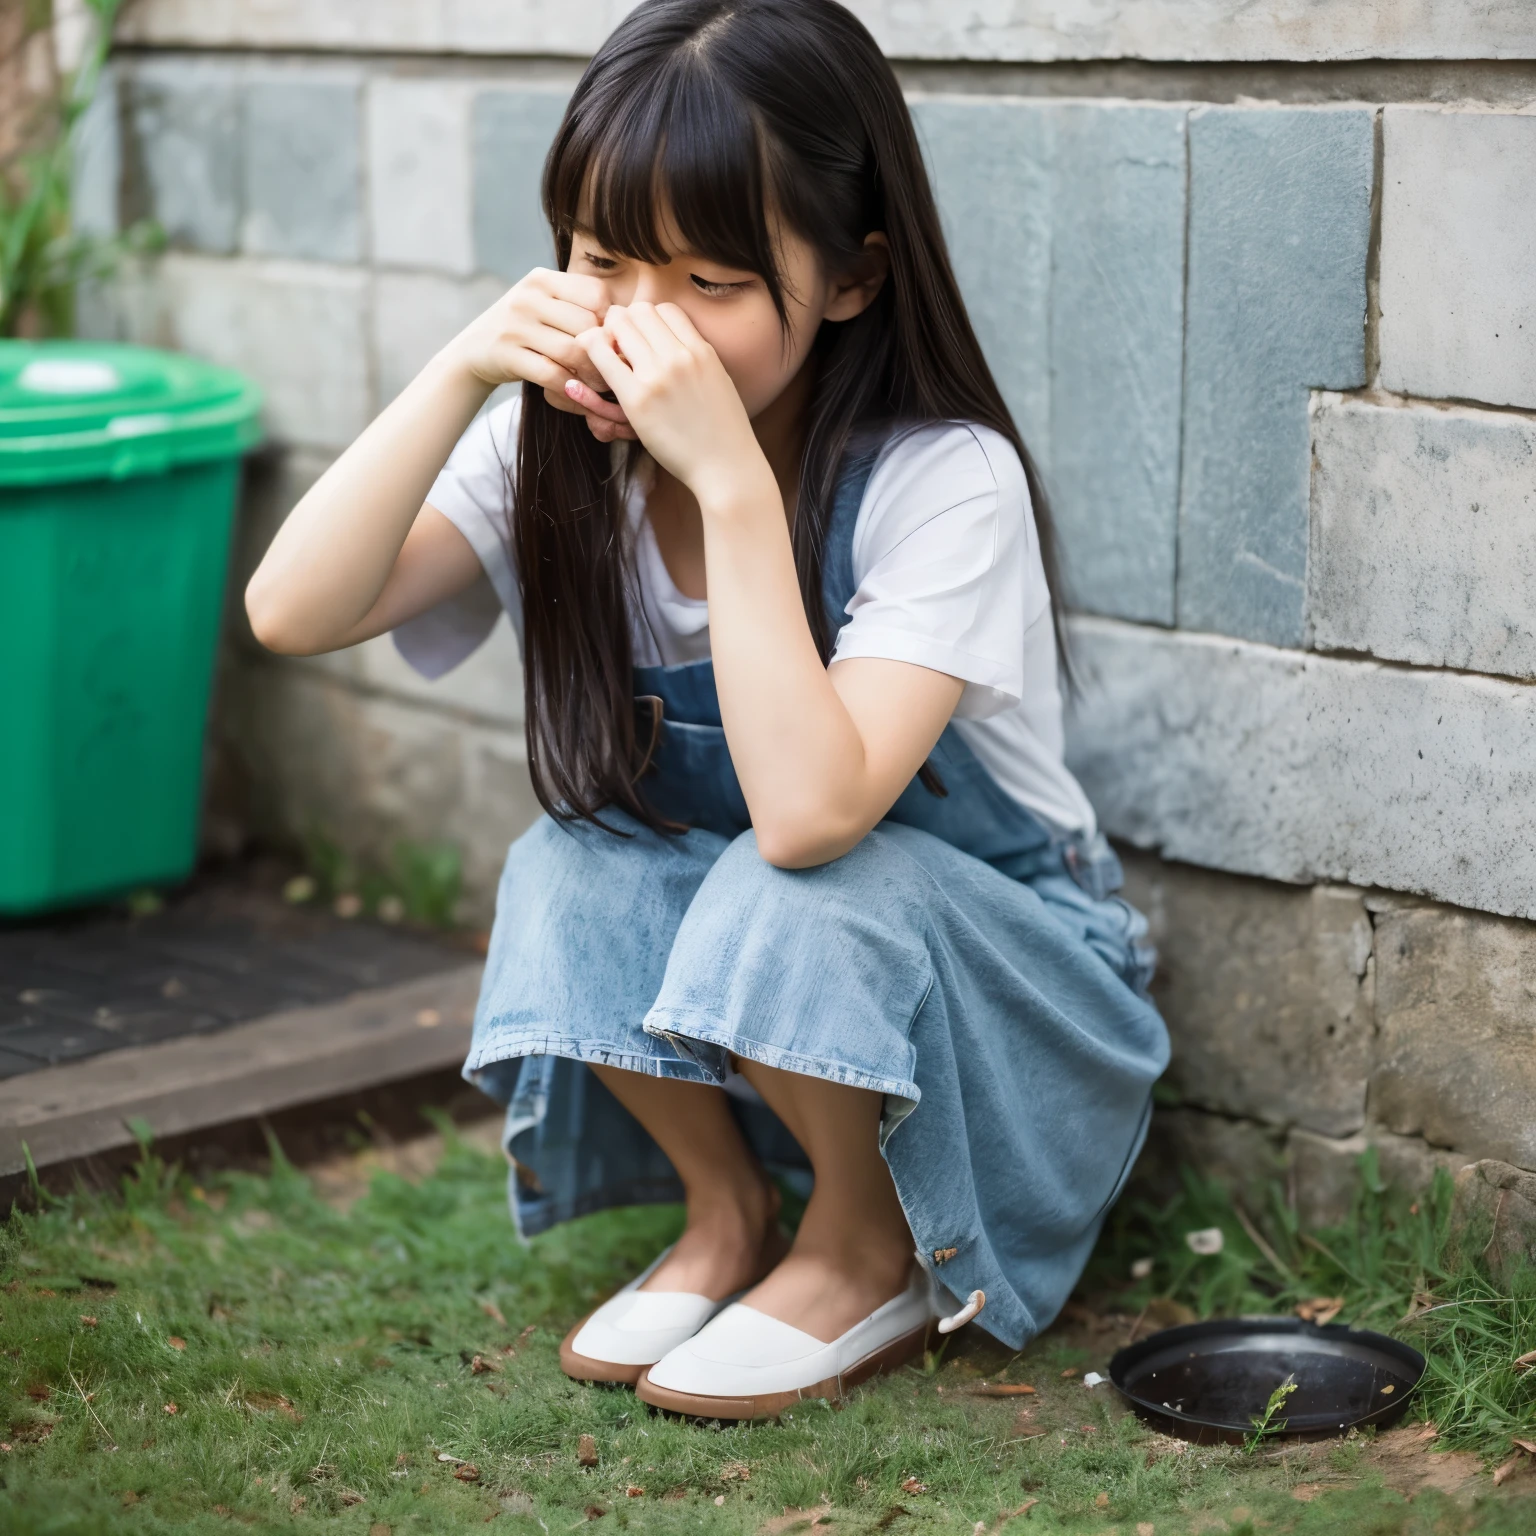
pixel 1265 1423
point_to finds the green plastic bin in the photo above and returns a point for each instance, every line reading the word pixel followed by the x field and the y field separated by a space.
pixel 118 474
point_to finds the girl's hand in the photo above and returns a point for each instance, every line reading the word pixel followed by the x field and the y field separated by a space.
pixel 677 396
pixel 531 333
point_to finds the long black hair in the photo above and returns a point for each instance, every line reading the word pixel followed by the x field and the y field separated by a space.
pixel 725 114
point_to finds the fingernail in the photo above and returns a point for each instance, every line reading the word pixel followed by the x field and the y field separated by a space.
pixel 573 389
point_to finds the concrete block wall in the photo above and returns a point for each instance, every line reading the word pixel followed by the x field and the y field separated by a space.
pixel 1266 314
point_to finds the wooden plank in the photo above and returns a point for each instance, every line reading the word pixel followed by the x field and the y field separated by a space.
pixel 287 1058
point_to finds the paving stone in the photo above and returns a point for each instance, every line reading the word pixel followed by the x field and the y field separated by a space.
pixel 419 173
pixel 1304 767
pixel 511 131
pixel 1279 227
pixel 1424 534
pixel 1456 1010
pixel 1458 255
pixel 1266 990
pixel 1117 354
pixel 991 166
pixel 1496 1204
pixel 415 314
pixel 371 770
pixel 1209 30
pixel 1325 1170
pixel 303 166
pixel 183 150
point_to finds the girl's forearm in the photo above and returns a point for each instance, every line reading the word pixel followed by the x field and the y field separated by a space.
pixel 798 752
pixel 332 556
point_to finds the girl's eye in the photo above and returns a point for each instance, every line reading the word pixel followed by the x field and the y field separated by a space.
pixel 602 263
pixel 704 285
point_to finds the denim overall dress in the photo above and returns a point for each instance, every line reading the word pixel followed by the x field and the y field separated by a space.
pixel 962 960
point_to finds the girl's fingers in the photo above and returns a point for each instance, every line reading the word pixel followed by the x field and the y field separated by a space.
pixel 588 399
pixel 616 373
pixel 561 315
pixel 620 327
pixel 647 320
pixel 677 321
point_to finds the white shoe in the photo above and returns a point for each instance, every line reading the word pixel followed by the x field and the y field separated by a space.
pixel 632 1330
pixel 747 1365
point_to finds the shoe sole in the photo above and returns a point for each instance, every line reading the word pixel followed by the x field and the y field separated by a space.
pixel 585 1368
pixel 769 1405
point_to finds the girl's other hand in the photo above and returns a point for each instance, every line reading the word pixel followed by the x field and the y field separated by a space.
pixel 530 334
pixel 678 398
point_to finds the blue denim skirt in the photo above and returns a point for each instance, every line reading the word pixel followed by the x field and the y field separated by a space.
pixel 1005 1022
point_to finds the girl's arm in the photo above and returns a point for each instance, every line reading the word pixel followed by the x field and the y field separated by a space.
pixel 361 552
pixel 821 753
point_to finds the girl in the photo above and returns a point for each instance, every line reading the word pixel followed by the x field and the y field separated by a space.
pixel 814 888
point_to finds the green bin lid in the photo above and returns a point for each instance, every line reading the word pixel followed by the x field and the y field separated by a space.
pixel 84 410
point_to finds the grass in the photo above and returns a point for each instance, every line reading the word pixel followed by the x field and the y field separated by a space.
pixel 320 1363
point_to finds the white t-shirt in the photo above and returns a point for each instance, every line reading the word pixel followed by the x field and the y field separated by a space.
pixel 948 571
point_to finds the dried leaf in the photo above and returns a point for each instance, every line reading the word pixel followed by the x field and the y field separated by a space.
pixel 273 1402
pixel 172 1408
pixel 176 1343
pixel 594 1511
pixel 1508 1468
pixel 480 1366
pixel 1004 1516
pixel 634 1491
pixel 911 1485
pixel 349 1497
pixel 1320 1310
pixel 493 1312
pixel 735 1472
pixel 1070 1372
pixel 1001 1389
pixel 586 1451
pixel 467 1472
pixel 1101 1500
pixel 89 1321
pixel 1526 1362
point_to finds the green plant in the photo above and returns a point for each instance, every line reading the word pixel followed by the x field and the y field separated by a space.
pixel 42 257
pixel 1265 1423
pixel 422 881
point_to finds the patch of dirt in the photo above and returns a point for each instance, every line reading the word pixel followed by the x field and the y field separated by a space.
pixel 1407 1460
pixel 343 1179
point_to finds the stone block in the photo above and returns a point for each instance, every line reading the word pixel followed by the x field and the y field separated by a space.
pixel 511 131
pixel 1458 255
pixel 1266 990
pixel 1279 230
pixel 1456 1010
pixel 990 162
pixel 1303 767
pixel 419 173
pixel 183 150
pixel 299 330
pixel 303 166
pixel 1325 1171
pixel 1246 1157
pixel 371 770
pixel 417 313
pixel 1424 534
pixel 1496 1207
pixel 98 169
pixel 1205 30
pixel 1117 354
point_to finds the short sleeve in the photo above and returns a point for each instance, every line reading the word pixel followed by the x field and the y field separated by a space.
pixel 948 565
pixel 474 492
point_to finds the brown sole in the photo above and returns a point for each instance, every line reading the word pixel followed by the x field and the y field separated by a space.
pixel 584 1368
pixel 771 1404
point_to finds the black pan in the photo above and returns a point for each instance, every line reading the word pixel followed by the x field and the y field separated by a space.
pixel 1208 1382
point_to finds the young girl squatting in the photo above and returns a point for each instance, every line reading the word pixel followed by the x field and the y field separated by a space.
pixel 815 894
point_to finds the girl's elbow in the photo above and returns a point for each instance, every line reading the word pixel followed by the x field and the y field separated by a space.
pixel 803 845
pixel 271 623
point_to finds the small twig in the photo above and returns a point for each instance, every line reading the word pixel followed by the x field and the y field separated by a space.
pixel 1260 1241
pixel 1141 1317
pixel 69 1366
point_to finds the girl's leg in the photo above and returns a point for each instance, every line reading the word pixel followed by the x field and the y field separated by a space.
pixel 853 1252
pixel 732 1237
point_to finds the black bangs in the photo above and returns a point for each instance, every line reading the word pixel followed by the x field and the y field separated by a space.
pixel 643 145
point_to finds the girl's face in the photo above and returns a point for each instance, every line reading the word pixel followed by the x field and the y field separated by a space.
pixel 733 310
